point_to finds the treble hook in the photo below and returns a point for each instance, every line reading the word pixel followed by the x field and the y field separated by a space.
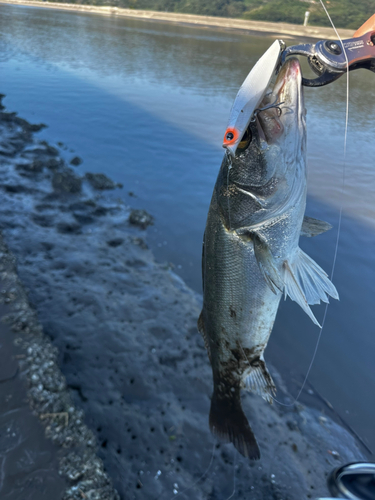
pixel 269 106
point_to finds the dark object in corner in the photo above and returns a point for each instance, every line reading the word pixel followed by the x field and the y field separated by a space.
pixel 355 481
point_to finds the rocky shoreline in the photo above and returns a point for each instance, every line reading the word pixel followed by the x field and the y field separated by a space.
pixel 116 371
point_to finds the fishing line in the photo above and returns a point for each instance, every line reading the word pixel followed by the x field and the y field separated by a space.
pixel 202 476
pixel 229 157
pixel 340 211
pixel 342 192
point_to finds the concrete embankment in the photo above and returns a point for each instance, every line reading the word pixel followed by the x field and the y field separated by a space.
pixel 277 29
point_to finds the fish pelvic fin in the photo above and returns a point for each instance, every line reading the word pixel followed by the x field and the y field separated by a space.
pixel 260 381
pixel 229 423
pixel 306 283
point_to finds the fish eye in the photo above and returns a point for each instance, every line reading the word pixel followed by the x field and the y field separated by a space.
pixel 245 141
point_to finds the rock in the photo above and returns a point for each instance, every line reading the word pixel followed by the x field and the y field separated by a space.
pixel 15 188
pixel 100 181
pixel 139 242
pixel 76 161
pixel 66 182
pixel 115 242
pixel 140 218
pixel 34 167
pixel 68 228
pixel 43 220
pixel 53 164
pixel 36 127
pixel 49 150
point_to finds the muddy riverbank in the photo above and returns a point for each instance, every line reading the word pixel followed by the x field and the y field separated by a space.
pixel 46 451
pixel 286 29
pixel 123 334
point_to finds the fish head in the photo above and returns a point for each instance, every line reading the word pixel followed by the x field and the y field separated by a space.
pixel 281 121
pixel 269 166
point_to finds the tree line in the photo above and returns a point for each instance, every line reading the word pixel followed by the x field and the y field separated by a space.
pixel 345 13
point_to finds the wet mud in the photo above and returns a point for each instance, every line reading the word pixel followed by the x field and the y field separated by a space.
pixel 46 450
pixel 123 333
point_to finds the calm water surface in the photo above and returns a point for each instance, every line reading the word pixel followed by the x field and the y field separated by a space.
pixel 147 103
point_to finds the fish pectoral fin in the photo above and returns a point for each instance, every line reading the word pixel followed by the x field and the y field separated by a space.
pixel 312 227
pixel 267 264
pixel 260 381
pixel 202 331
pixel 306 283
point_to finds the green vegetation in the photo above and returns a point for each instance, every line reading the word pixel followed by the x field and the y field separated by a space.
pixel 345 13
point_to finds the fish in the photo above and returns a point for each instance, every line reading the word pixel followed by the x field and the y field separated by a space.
pixel 251 255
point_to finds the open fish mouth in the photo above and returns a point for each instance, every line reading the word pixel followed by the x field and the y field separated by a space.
pixel 282 107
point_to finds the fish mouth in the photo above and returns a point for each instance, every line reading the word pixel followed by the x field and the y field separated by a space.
pixel 282 107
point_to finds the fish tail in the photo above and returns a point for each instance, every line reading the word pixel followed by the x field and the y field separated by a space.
pixel 229 423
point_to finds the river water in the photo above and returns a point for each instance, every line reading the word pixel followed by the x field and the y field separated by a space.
pixel 147 103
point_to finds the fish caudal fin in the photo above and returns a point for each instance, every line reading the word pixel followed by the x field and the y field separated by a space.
pixel 306 283
pixel 229 423
pixel 260 381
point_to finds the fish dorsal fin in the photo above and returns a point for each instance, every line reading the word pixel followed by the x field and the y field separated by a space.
pixel 312 227
pixel 260 381
pixel 306 283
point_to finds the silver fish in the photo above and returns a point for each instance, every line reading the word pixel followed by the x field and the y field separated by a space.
pixel 251 255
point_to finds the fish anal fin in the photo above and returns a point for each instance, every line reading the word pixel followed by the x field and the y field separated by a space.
pixel 306 283
pixel 312 227
pixel 202 331
pixel 229 423
pixel 260 381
